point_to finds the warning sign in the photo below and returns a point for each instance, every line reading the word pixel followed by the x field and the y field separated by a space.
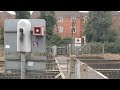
pixel 77 40
pixel 35 44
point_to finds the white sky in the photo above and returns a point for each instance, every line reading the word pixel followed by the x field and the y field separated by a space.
pixel 12 12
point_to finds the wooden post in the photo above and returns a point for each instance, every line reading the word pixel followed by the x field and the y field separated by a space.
pixel 67 66
pixel 103 50
pixel 86 48
pixel 89 48
pixel 72 67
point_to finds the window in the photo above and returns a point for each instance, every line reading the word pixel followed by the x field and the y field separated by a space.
pixel 85 19
pixel 60 18
pixel 73 18
pixel 73 29
pixel 60 29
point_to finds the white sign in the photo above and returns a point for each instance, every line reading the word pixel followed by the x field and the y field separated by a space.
pixel 30 63
pixel 77 40
pixel 7 46
pixel 78 45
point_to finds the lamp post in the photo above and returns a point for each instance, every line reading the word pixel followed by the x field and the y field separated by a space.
pixel 72 44
pixel 72 56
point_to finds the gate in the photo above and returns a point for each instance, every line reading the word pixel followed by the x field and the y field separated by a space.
pixel 62 50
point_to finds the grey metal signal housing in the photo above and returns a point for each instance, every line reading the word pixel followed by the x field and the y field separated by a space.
pixel 25 36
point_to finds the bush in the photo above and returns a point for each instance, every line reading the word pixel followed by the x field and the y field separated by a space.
pixel 97 48
pixel 112 48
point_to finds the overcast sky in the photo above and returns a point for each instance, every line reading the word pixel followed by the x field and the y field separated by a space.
pixel 12 12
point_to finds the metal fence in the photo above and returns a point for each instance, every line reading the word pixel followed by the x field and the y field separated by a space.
pixel 92 48
pixel 99 48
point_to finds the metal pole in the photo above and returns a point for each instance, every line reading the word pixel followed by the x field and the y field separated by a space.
pixel 72 45
pixel 86 49
pixel 67 67
pixel 103 49
pixel 23 59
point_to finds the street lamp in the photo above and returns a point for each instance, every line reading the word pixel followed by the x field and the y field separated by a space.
pixel 72 44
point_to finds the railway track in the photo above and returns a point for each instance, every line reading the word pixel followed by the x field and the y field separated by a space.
pixel 2 63
pixel 102 64
pixel 110 68
pixel 50 73
pixel 110 73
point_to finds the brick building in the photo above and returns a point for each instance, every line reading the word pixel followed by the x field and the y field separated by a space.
pixel 64 24
pixel 116 20
pixel 116 24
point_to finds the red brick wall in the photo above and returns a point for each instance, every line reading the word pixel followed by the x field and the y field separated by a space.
pixel 116 22
pixel 67 24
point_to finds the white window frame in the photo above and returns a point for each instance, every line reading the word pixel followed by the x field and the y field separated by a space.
pixel 71 30
pixel 73 18
pixel 85 19
pixel 60 18
pixel 60 29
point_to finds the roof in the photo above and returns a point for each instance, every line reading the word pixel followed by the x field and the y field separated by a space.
pixel 36 14
pixel 83 14
pixel 67 13
pixel 115 13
